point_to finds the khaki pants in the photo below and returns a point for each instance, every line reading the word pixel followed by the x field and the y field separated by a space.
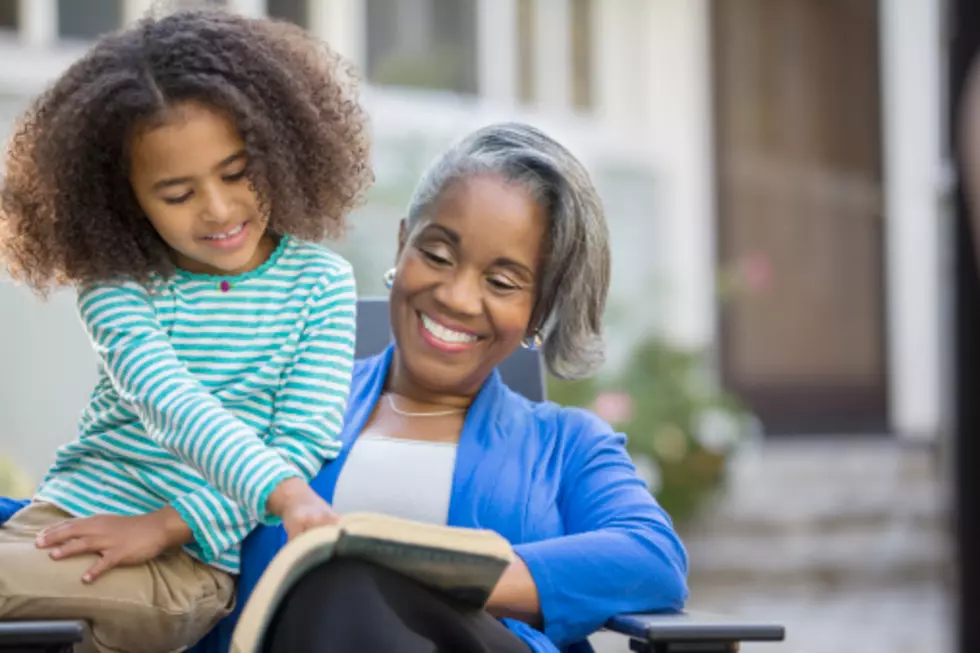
pixel 163 605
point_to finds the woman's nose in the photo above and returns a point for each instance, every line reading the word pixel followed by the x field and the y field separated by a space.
pixel 461 294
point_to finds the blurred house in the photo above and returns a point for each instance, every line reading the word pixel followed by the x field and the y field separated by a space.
pixel 773 171
pixel 774 174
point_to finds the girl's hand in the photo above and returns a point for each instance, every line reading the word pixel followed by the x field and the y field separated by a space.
pixel 300 507
pixel 117 540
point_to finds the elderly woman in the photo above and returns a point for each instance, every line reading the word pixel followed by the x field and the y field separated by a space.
pixel 504 245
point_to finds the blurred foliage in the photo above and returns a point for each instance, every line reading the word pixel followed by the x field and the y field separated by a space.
pixel 14 482
pixel 681 426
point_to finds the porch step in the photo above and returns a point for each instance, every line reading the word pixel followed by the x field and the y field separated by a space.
pixel 828 512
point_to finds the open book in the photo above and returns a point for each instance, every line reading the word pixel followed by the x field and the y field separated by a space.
pixel 463 563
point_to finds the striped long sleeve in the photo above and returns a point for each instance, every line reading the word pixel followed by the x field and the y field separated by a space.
pixel 308 414
pixel 176 410
pixel 212 390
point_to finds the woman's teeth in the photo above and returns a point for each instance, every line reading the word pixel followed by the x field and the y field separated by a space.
pixel 446 334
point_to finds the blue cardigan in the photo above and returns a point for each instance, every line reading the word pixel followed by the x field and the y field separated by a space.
pixel 558 484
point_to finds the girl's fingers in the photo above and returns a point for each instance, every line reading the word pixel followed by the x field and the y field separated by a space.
pixel 101 566
pixel 57 534
pixel 74 547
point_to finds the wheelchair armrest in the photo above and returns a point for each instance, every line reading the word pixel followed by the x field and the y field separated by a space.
pixel 40 636
pixel 666 632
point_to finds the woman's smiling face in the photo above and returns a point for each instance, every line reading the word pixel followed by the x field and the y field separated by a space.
pixel 466 283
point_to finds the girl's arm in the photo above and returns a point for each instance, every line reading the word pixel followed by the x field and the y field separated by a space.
pixel 176 410
pixel 309 413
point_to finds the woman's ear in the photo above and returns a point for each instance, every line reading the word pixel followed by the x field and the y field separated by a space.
pixel 536 321
pixel 532 328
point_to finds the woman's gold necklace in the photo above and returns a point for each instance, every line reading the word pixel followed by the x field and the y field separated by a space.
pixel 438 413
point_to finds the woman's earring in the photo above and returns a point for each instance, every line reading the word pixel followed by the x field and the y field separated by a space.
pixel 389 278
pixel 532 342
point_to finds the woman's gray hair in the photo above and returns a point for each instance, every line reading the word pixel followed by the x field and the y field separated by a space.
pixel 575 268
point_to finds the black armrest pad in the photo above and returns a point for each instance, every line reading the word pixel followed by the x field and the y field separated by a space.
pixel 694 627
pixel 36 633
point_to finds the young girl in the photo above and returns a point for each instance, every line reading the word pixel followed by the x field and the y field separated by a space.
pixel 179 175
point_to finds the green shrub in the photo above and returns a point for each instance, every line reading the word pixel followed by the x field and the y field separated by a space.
pixel 681 427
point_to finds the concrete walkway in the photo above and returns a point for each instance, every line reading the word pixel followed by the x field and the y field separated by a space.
pixel 843 541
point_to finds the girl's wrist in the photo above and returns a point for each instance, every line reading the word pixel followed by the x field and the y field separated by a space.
pixel 175 530
pixel 286 493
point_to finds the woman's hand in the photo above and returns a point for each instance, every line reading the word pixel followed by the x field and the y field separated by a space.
pixel 117 540
pixel 300 507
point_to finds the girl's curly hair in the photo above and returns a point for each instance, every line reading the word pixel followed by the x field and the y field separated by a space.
pixel 67 212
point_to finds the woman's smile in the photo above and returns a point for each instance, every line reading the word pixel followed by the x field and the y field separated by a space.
pixel 446 338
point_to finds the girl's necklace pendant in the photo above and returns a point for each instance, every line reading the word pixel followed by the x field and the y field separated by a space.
pixel 225 286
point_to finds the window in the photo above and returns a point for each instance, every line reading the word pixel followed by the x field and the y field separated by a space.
pixel 525 51
pixel 191 4
pixel 579 26
pixel 8 14
pixel 422 43
pixel 581 46
pixel 88 20
pixel 295 11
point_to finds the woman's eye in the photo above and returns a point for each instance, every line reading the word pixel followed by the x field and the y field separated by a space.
pixel 435 258
pixel 177 200
pixel 502 284
pixel 235 176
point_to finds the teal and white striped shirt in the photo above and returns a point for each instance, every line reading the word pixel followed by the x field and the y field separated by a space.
pixel 207 399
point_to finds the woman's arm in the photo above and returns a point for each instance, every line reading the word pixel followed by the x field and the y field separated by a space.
pixel 516 595
pixel 620 554
pixel 308 417
pixel 176 410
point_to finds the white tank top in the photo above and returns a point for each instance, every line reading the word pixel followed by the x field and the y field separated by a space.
pixel 404 478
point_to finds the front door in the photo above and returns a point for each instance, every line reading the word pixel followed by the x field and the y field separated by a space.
pixel 800 219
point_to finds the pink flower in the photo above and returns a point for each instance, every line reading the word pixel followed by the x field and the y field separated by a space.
pixel 756 272
pixel 614 407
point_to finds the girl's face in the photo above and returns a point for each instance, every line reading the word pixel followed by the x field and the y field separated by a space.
pixel 188 175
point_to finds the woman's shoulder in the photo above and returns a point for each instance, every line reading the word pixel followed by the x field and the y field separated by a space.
pixel 366 372
pixel 555 421
pixel 364 367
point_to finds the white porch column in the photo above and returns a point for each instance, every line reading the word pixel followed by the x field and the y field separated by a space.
pixel 252 8
pixel 496 55
pixel 679 122
pixel 621 65
pixel 552 55
pixel 133 10
pixel 38 21
pixel 343 25
pixel 911 71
